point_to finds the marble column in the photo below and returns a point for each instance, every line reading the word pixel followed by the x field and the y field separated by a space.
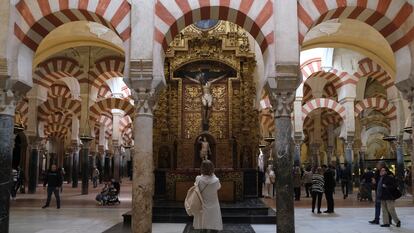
pixel 33 164
pixel 329 153
pixel 283 161
pixel 85 164
pixel 400 164
pixel 117 161
pixel 143 171
pixel 362 158
pixel 6 154
pixel 314 147
pixel 349 160
pixel 298 145
pixel 75 164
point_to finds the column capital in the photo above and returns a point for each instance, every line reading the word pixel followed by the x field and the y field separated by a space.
pixel 145 100
pixel 8 102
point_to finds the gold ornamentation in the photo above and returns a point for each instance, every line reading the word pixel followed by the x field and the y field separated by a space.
pixel 192 124
pixel 219 97
pixel 192 97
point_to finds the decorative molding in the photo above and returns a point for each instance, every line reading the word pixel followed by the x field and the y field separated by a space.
pixel 3 68
pixel 282 103
pixel 145 100
pixel 8 102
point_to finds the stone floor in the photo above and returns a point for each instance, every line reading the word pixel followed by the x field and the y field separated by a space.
pixel 80 213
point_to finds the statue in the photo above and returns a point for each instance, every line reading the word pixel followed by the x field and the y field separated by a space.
pixel 205 148
pixel 206 99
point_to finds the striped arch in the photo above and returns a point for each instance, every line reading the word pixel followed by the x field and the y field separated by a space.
pixel 106 105
pixel 323 103
pixel 388 17
pixel 36 19
pixel 368 68
pixel 56 130
pixel 104 92
pixel 59 104
pixel 58 90
pixel 60 119
pixel 54 69
pixel 254 16
pixel 379 104
pixel 106 68
pixel 22 107
pixel 307 93
pixel 313 68
pixel 329 91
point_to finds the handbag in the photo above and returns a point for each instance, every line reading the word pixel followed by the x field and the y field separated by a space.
pixel 193 202
pixel 396 193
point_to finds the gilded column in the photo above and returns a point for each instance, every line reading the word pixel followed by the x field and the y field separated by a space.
pixel 143 168
pixel 7 108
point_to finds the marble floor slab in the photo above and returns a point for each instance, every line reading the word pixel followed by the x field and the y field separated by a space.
pixel 96 220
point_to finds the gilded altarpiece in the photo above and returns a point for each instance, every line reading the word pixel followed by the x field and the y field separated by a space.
pixel 233 131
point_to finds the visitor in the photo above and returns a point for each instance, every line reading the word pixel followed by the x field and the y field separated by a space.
pixel 95 175
pixel 346 177
pixel 62 176
pixel 270 179
pixel 297 182
pixel 329 181
pixel 307 180
pixel 366 184
pixel 386 185
pixel 53 180
pixel 317 189
pixel 209 219
pixel 375 181
pixel 13 188
pixel 116 185
pixel 20 180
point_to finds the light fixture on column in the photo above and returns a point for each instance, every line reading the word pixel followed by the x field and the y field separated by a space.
pixel 85 135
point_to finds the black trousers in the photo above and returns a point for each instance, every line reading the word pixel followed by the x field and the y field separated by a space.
pixel 316 195
pixel 344 186
pixel 329 201
pixel 297 193
pixel 209 231
pixel 54 190
pixel 307 188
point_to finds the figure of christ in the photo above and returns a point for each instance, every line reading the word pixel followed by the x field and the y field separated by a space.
pixel 205 148
pixel 206 98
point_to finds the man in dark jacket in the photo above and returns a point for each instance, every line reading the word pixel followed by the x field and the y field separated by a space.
pixel 375 180
pixel 386 185
pixel 329 178
pixel 346 177
pixel 54 182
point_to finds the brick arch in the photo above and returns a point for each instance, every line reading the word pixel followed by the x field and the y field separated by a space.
pixel 36 19
pixel 60 119
pixel 107 68
pixel 388 17
pixel 51 70
pixel 57 90
pixel 323 103
pixel 56 130
pixel 254 16
pixel 313 68
pixel 368 68
pixel 59 104
pixel 379 104
pixel 110 103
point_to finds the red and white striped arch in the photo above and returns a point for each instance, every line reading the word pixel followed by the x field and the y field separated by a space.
pixel 329 91
pixel 23 108
pixel 313 68
pixel 379 104
pixel 60 104
pixel 368 68
pixel 56 130
pixel 322 103
pixel 307 93
pixel 106 105
pixel 254 16
pixel 106 68
pixel 36 19
pixel 60 119
pixel 59 90
pixel 104 92
pixel 388 17
pixel 51 70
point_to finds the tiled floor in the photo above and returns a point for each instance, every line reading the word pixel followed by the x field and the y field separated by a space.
pixel 80 214
pixel 94 220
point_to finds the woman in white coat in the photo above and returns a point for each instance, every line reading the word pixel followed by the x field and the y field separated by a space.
pixel 209 219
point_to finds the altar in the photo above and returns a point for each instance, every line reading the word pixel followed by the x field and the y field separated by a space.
pixel 207 112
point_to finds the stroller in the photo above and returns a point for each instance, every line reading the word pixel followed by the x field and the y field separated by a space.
pixel 365 191
pixel 108 196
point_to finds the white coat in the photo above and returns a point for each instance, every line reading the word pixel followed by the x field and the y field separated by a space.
pixel 210 216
